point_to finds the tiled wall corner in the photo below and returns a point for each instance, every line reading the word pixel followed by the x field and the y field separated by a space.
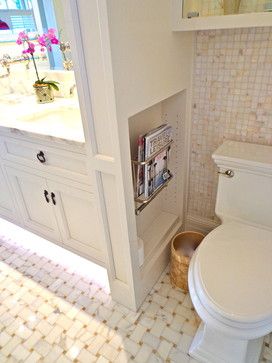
pixel 232 100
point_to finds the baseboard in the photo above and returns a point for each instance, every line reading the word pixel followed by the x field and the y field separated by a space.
pixel 200 224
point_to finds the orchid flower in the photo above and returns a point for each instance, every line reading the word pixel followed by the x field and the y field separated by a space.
pixel 45 41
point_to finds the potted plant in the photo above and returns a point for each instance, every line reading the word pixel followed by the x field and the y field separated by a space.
pixel 44 89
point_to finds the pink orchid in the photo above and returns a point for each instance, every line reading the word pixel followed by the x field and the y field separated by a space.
pixel 48 38
pixel 42 40
pixel 45 41
pixel 30 49
pixel 51 32
pixel 22 37
pixel 54 40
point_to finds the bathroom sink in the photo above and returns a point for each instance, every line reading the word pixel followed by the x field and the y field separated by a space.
pixel 55 115
pixel 10 99
pixel 60 118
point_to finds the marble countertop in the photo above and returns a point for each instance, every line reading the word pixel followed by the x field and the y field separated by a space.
pixel 57 120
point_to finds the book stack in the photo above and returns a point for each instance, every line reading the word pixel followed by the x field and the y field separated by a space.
pixel 154 154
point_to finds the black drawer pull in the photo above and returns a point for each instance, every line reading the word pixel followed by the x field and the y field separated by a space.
pixel 46 196
pixel 53 198
pixel 41 157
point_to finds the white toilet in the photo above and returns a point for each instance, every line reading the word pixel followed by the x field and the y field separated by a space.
pixel 230 275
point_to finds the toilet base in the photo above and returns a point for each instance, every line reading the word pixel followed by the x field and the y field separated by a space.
pixel 211 346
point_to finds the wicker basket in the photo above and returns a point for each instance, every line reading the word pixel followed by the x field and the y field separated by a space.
pixel 231 7
pixel 182 247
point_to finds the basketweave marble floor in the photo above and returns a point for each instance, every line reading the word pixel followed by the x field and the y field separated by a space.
pixel 51 312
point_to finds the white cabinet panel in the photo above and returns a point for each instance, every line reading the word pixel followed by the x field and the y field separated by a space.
pixel 77 217
pixel 59 212
pixel 34 203
pixel 246 20
pixel 6 201
pixel 70 165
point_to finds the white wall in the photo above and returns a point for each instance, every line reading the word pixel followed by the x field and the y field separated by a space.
pixel 127 58
pixel 150 63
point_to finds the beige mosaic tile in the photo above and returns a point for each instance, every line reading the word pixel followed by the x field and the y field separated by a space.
pixel 232 100
pixel 39 325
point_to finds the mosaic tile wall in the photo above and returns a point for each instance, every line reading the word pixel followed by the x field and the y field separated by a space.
pixel 216 7
pixel 232 100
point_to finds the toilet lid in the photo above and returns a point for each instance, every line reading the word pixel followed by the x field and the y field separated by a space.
pixel 234 272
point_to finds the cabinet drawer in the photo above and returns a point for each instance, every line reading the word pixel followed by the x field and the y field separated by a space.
pixel 64 163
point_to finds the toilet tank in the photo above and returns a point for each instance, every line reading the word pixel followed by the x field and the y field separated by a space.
pixel 247 195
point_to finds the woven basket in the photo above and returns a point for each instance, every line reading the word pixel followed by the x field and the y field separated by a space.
pixel 182 247
pixel 231 6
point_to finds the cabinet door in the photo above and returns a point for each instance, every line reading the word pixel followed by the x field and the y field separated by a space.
pixel 36 212
pixel 77 217
pixel 6 202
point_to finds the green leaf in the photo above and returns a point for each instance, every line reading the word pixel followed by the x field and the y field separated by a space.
pixel 55 82
pixel 53 85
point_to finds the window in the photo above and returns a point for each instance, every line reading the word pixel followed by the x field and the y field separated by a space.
pixel 19 15
pixel 34 16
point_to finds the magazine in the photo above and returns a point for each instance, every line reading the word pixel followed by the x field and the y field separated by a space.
pixel 155 173
pixel 161 173
pixel 140 168
pixel 151 176
pixel 156 140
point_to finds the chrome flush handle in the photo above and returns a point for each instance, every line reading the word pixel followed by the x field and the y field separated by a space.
pixel 228 173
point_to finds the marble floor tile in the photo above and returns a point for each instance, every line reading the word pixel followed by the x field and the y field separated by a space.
pixel 50 312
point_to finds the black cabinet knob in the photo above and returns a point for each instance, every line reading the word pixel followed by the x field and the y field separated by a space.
pixel 46 196
pixel 41 157
pixel 53 197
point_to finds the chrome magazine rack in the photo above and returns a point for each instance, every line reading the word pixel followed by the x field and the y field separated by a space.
pixel 142 201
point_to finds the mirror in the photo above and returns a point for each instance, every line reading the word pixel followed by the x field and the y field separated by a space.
pixel 196 8
pixel 34 17
pixel 43 24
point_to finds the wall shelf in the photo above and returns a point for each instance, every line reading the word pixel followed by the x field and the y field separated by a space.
pixel 217 22
pixel 145 201
pixel 159 216
pixel 147 161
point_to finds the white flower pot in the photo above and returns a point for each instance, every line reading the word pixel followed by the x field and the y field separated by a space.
pixel 44 93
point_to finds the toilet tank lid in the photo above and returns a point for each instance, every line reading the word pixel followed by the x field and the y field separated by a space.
pixel 244 154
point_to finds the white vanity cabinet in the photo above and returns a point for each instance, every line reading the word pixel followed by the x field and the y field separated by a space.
pixel 68 163
pixel 33 202
pixel 77 217
pixel 7 209
pixel 52 192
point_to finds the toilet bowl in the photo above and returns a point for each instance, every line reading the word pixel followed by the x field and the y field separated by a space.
pixel 230 273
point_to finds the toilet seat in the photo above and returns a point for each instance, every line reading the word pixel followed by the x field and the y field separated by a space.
pixel 231 257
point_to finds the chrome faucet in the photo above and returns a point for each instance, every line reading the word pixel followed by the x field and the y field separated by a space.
pixel 72 89
pixel 5 63
pixel 67 62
